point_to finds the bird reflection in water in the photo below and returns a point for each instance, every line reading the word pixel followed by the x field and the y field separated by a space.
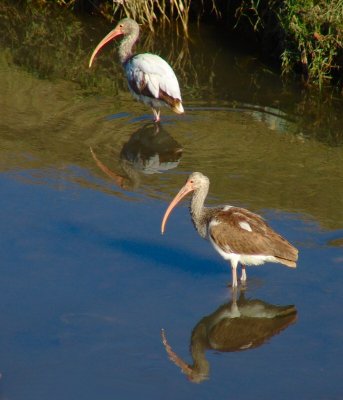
pixel 150 150
pixel 239 325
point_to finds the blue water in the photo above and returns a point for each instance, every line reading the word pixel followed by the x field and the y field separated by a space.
pixel 85 293
pixel 88 281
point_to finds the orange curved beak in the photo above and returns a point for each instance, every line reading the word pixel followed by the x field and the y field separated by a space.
pixel 113 34
pixel 187 188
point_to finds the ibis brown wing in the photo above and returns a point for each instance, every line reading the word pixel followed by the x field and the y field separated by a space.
pixel 168 99
pixel 240 231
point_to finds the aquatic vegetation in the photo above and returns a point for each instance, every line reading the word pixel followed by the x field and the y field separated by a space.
pixel 300 36
pixel 314 39
pixel 309 35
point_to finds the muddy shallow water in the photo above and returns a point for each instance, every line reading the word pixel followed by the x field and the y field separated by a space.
pixel 88 282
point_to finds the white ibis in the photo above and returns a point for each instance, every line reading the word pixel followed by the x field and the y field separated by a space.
pixel 237 234
pixel 151 80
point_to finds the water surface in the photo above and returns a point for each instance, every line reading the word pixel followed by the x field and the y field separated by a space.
pixel 88 282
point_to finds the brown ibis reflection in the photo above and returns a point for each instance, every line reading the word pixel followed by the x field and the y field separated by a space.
pixel 242 324
pixel 150 150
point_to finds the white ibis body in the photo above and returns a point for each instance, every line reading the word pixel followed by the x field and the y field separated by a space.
pixel 151 79
pixel 237 234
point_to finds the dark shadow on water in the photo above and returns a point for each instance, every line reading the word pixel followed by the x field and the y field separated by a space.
pixel 242 324
pixel 144 249
pixel 176 258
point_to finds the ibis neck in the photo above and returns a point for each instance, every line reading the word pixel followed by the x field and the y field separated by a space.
pixel 198 211
pixel 200 367
pixel 125 48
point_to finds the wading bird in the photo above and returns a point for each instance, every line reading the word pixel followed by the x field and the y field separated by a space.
pixel 237 234
pixel 151 80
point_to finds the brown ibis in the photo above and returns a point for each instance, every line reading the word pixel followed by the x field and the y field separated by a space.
pixel 238 235
pixel 151 79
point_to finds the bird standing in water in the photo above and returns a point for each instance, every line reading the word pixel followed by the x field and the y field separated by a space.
pixel 151 80
pixel 237 234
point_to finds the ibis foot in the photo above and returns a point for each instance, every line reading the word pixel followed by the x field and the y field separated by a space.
pixel 156 115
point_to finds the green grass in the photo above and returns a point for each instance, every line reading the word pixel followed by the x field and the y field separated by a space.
pixel 310 34
pixel 314 39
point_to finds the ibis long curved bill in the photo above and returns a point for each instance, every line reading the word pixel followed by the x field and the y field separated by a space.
pixel 117 31
pixel 187 188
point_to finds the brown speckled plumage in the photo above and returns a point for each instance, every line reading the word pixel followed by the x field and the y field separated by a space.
pixel 261 240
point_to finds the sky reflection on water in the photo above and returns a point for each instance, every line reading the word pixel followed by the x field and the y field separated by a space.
pixel 88 282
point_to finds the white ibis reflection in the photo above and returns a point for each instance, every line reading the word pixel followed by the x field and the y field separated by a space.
pixel 149 150
pixel 151 80
pixel 237 234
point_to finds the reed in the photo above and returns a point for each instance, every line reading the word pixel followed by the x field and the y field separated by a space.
pixel 164 12
pixel 147 12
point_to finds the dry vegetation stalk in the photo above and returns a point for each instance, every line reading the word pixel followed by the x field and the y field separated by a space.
pixel 151 11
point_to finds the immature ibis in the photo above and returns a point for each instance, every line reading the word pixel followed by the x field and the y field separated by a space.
pixel 151 80
pixel 237 234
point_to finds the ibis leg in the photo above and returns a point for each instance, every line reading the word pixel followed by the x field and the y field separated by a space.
pixel 234 264
pixel 244 274
pixel 234 308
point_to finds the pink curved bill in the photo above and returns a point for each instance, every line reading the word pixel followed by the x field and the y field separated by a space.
pixel 182 193
pixel 113 34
